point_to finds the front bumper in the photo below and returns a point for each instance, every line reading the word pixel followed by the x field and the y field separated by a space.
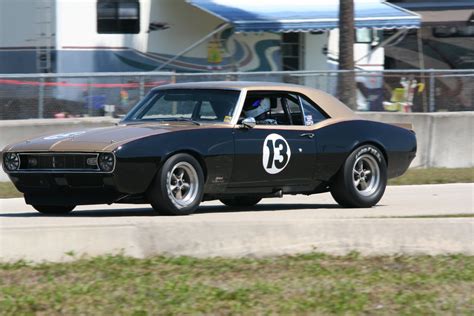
pixel 67 188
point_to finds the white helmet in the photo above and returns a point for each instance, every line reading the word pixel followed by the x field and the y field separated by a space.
pixel 257 107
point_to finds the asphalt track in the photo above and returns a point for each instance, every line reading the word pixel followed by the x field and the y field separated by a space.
pixel 427 219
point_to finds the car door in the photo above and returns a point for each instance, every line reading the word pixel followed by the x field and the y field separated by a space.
pixel 273 157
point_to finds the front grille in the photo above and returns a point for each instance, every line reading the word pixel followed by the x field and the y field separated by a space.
pixel 58 162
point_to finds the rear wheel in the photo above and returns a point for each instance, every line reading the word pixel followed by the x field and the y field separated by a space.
pixel 241 201
pixel 178 186
pixel 362 180
pixel 54 209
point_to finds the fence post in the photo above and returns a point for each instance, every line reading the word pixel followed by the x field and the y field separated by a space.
pixel 173 77
pixel 141 88
pixel 89 97
pixel 41 99
pixel 432 105
pixel 327 82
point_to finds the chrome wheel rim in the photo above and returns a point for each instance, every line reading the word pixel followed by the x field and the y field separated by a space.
pixel 366 175
pixel 182 184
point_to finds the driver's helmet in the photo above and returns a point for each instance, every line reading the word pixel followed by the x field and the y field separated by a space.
pixel 257 107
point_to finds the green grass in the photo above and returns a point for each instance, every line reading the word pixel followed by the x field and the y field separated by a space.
pixel 435 176
pixel 412 176
pixel 304 284
pixel 7 190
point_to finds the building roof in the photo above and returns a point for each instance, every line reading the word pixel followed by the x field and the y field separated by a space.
pixel 444 17
pixel 441 12
pixel 421 5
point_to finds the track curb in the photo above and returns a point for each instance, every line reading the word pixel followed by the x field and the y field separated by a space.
pixel 368 236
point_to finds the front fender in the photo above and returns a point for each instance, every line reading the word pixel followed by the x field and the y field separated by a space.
pixel 138 161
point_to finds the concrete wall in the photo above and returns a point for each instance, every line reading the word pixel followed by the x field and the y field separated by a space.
pixel 444 139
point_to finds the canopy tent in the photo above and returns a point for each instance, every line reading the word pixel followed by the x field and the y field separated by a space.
pixel 305 15
pixel 447 13
pixel 446 17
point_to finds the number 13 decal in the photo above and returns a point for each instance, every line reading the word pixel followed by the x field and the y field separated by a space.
pixel 276 153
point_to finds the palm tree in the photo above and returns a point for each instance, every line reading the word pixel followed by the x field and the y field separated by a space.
pixel 346 87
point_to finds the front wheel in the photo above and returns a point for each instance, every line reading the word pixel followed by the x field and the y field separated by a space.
pixel 54 209
pixel 362 180
pixel 178 186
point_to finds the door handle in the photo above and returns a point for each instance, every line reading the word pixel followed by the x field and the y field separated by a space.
pixel 309 135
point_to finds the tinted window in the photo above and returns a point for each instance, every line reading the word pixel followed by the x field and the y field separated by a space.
pixel 118 17
pixel 285 108
pixel 275 113
pixel 294 109
pixel 312 114
pixel 207 111
pixel 197 104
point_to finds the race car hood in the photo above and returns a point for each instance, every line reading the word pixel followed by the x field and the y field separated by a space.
pixel 95 139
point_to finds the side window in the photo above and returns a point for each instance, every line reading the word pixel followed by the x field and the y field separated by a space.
pixel 294 109
pixel 281 108
pixel 265 107
pixel 312 114
pixel 277 107
pixel 278 112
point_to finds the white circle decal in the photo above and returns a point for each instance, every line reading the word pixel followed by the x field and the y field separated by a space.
pixel 65 135
pixel 276 153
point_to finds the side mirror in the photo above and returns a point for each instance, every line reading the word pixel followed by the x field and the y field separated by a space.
pixel 249 122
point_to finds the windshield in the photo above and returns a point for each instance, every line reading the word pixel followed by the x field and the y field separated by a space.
pixel 197 105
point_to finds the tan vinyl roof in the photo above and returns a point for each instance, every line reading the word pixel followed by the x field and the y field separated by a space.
pixel 332 106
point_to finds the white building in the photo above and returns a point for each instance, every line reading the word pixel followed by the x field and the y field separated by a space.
pixel 67 36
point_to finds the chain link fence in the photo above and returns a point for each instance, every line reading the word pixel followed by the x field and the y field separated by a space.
pixel 113 94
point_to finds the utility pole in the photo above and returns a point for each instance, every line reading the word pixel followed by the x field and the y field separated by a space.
pixel 346 85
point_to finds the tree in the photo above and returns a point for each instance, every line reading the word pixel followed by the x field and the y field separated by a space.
pixel 346 85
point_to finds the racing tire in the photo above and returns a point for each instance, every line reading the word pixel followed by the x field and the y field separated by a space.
pixel 54 209
pixel 178 187
pixel 241 201
pixel 362 179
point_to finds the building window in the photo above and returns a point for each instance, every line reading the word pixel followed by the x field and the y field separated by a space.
pixel 118 17
pixel 367 36
pixel 363 36
pixel 291 51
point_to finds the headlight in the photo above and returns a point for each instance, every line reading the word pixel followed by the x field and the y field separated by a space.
pixel 11 161
pixel 106 162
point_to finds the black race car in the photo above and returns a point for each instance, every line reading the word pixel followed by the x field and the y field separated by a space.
pixel 237 142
